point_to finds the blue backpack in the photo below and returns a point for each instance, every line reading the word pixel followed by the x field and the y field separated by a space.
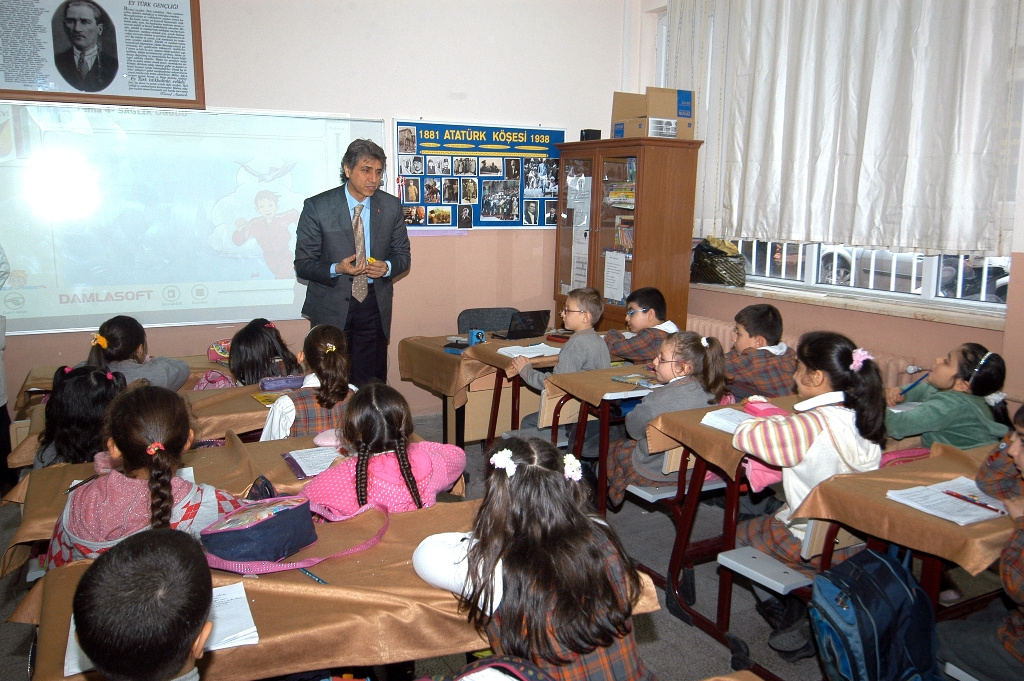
pixel 873 622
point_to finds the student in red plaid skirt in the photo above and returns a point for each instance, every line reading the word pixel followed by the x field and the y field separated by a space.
pixel 544 577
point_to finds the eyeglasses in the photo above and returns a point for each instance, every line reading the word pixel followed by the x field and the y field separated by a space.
pixel 657 358
pixel 565 309
pixel 632 311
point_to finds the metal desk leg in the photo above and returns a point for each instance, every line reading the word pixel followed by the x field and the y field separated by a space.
pixel 492 425
pixel 602 455
pixel 516 384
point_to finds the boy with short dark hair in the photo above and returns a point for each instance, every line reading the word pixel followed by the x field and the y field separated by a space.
pixel 645 319
pixel 141 610
pixel 759 362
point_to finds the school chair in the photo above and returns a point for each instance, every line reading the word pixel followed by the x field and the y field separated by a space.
pixel 486 318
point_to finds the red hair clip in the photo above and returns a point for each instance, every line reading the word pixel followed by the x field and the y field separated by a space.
pixel 153 447
pixel 68 370
pixel 110 376
pixel 270 325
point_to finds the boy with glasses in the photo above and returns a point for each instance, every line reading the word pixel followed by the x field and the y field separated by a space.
pixel 648 328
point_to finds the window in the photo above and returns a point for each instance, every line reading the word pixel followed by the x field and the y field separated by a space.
pixel 952 277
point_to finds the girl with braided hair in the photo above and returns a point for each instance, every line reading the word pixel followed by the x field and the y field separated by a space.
pixel 147 431
pixel 386 469
pixel 319 405
pixel 961 403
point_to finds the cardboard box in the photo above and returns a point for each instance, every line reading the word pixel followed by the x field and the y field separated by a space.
pixel 672 128
pixel 648 115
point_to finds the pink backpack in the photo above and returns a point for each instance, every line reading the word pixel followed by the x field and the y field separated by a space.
pixel 214 379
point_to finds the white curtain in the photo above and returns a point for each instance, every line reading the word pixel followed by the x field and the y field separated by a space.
pixel 879 123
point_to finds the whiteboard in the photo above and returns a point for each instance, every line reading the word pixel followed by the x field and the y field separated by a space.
pixel 170 216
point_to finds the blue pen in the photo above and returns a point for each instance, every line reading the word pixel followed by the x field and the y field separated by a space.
pixel 312 576
pixel 907 389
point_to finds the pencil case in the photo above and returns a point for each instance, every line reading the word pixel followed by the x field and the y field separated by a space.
pixel 268 529
pixel 764 409
pixel 272 383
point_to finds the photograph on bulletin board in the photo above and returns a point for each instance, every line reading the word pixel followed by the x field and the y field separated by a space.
pixel 457 176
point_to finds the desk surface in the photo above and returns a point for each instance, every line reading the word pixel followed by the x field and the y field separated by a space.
pixel 594 386
pixel 423 361
pixel 714 446
pixel 858 501
pixel 41 377
pixel 373 610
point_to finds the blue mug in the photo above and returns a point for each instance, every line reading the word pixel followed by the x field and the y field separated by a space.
pixel 477 336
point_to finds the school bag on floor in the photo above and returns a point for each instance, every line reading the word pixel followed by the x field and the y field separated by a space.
pixel 872 621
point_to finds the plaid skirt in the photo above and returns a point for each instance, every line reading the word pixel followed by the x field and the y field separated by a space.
pixel 622 473
pixel 768 535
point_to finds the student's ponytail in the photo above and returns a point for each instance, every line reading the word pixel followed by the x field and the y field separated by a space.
pixel 326 354
pixel 713 378
pixel 985 373
pixel 403 464
pixel 362 466
pixel 119 338
pixel 161 470
pixel 853 371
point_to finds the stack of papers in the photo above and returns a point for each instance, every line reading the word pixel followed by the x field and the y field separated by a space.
pixel 958 500
pixel 232 626
pixel 727 419
pixel 538 350
pixel 306 463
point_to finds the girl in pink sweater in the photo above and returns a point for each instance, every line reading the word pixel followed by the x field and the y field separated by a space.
pixel 386 469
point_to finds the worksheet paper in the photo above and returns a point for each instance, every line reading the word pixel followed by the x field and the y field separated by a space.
pixel 614 275
pixel 947 500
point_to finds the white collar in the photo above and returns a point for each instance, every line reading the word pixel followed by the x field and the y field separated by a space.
pixel 667 326
pixel 778 349
pixel 835 397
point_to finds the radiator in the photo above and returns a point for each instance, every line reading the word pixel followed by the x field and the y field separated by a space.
pixel 892 368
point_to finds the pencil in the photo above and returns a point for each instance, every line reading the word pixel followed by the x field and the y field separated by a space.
pixel 312 576
pixel 907 389
pixel 75 486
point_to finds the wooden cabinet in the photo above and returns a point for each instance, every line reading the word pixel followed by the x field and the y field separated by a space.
pixel 625 221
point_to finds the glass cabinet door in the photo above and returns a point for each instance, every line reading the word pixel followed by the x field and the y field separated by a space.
pixel 616 227
pixel 574 224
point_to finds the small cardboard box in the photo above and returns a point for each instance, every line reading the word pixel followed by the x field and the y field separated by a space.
pixel 648 115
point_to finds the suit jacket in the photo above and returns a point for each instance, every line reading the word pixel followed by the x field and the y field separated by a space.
pixel 324 237
pixel 102 73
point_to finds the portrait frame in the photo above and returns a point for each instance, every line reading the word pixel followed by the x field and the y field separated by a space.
pixel 122 79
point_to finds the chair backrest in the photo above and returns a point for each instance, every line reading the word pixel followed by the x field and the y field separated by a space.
pixel 486 318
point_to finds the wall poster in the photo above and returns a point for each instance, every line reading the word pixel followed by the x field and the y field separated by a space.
pixel 458 176
pixel 135 52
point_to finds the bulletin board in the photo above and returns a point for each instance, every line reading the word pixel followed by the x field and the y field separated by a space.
pixel 458 176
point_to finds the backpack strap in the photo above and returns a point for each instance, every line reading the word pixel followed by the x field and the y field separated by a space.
pixel 262 567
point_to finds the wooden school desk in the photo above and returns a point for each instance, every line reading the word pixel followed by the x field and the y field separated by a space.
pixel 374 609
pixel 597 389
pixel 711 448
pixel 40 379
pixel 215 412
pixel 463 382
pixel 858 501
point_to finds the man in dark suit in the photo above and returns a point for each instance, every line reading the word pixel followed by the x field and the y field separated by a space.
pixel 326 256
pixel 85 66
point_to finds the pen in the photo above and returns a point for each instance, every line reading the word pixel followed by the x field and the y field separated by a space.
pixel 75 486
pixel 907 389
pixel 969 500
pixel 312 576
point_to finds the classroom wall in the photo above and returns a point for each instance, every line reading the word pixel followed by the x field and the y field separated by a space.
pixel 527 63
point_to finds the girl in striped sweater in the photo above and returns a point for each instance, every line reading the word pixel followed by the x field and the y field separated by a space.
pixel 839 427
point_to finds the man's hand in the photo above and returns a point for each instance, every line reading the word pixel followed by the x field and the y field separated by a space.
pixel 893 396
pixel 351 266
pixel 518 364
pixel 375 269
